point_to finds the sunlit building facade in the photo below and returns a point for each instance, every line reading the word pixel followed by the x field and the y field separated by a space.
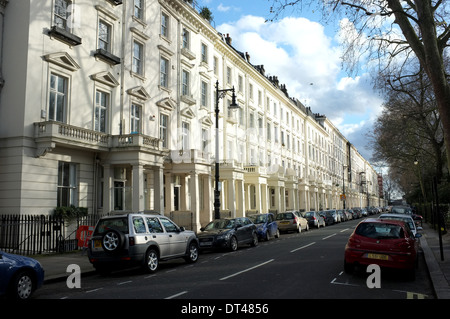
pixel 110 105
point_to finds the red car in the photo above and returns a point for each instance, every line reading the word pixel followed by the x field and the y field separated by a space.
pixel 387 243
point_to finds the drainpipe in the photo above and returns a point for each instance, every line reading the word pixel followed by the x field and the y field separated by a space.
pixel 122 67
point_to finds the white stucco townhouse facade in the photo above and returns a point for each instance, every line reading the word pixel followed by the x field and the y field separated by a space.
pixel 109 105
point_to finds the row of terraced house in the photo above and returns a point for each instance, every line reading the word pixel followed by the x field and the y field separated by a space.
pixel 110 105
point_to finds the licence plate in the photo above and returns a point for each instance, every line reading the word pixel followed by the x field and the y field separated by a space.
pixel 378 256
pixel 284 222
pixel 97 243
pixel 207 243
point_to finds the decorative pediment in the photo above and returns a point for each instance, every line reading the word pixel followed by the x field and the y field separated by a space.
pixel 105 78
pixel 187 112
pixel 167 103
pixel 207 120
pixel 139 92
pixel 62 59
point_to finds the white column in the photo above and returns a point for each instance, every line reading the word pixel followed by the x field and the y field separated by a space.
pixel 195 200
pixel 107 189
pixel 231 196
pixel 170 194
pixel 138 202
pixel 158 174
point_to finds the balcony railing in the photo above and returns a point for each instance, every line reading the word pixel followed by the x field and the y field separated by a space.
pixel 50 133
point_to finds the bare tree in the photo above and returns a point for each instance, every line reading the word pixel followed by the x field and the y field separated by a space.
pixel 394 32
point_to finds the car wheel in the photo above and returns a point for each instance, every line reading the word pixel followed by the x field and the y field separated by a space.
pixel 192 256
pixel 299 229
pixel 112 241
pixel 254 242
pixel 22 286
pixel 233 243
pixel 151 261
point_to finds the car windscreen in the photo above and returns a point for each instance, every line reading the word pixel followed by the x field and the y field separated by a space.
pixel 120 224
pixel 406 220
pixel 221 224
pixel 380 231
pixel 401 210
pixel 285 216
pixel 258 219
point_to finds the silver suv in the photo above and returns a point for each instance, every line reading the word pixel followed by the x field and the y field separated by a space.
pixel 140 239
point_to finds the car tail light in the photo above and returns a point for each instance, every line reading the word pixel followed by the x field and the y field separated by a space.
pixel 131 241
pixel 352 241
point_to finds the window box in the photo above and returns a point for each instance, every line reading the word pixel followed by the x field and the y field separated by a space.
pixel 64 36
pixel 107 57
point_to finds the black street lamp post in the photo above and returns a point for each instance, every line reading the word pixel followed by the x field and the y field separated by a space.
pixel 220 94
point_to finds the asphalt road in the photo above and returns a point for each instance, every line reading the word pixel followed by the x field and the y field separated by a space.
pixel 295 266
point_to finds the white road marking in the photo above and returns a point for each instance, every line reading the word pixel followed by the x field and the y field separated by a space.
pixel 302 247
pixel 245 270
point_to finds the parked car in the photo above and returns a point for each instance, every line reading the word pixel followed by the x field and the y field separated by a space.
pixel 314 219
pixel 387 243
pixel 342 215
pixel 228 233
pixel 20 276
pixel 266 226
pixel 406 218
pixel 348 213
pixel 406 210
pixel 357 211
pixel 291 221
pixel 140 239
pixel 327 216
pixel 336 216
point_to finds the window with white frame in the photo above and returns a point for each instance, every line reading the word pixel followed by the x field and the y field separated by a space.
pixel 67 191
pixel 185 134
pixel 57 105
pixel 216 65
pixel 164 72
pixel 240 84
pixel 139 9
pixel 204 53
pixel 101 111
pixel 138 54
pixel 104 35
pixel 228 75
pixel 163 129
pixel 185 83
pixel 204 94
pixel 186 39
pixel 62 17
pixel 135 118
pixel 164 25
pixel 205 140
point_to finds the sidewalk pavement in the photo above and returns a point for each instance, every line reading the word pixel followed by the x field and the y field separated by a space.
pixel 55 266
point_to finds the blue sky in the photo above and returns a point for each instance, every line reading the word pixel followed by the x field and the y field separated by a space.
pixel 305 54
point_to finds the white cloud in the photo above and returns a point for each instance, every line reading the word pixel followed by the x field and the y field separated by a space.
pixel 223 8
pixel 308 61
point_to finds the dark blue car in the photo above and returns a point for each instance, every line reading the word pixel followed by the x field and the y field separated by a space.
pixel 266 226
pixel 20 276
